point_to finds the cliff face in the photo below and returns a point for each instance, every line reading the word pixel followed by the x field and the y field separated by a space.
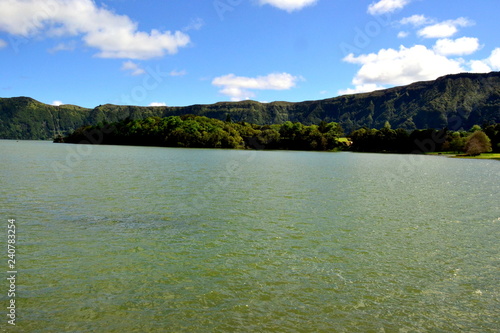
pixel 453 101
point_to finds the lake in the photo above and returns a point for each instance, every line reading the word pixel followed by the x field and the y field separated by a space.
pixel 146 239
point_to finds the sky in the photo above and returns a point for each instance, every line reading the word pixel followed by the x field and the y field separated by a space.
pixel 185 52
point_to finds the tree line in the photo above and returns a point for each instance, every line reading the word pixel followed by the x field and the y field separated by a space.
pixel 473 142
pixel 192 131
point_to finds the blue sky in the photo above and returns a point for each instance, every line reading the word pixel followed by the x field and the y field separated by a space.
pixel 187 52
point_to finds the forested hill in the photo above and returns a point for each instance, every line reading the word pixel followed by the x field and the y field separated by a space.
pixel 454 101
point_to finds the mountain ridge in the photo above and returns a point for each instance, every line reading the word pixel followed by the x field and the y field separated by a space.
pixel 456 101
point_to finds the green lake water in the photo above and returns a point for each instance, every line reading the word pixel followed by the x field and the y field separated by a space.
pixel 144 239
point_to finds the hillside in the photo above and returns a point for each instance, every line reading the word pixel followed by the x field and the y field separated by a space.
pixel 454 101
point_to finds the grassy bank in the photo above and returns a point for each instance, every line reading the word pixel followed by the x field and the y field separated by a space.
pixel 483 156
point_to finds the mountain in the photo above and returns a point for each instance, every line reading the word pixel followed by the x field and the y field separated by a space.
pixel 455 101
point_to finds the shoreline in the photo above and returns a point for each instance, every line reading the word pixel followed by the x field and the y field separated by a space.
pixel 482 156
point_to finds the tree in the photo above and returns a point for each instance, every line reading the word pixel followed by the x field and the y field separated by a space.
pixel 477 143
pixel 456 142
pixel 475 128
pixel 493 132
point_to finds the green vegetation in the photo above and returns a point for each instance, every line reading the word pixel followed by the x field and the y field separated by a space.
pixel 455 101
pixel 477 143
pixel 202 132
pixel 489 156
pixel 192 131
pixel 478 140
pixel 23 118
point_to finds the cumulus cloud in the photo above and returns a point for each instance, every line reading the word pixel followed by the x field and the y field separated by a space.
pixel 494 59
pixel 458 47
pixel 492 63
pixel 362 88
pixel 241 88
pixel 2 43
pixel 133 68
pixel 386 6
pixel 403 34
pixel 479 66
pixel 158 104
pixel 393 67
pixel 400 67
pixel 289 5
pixel 444 29
pixel 115 36
pixel 416 20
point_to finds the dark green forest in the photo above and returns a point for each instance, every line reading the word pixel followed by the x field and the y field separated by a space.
pixel 192 131
pixel 427 141
pixel 456 102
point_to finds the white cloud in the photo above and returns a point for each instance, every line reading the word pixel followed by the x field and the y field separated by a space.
pixel 494 59
pixel 115 36
pixel 479 66
pixel 362 88
pixel 195 24
pixel 289 5
pixel 444 29
pixel 134 68
pixel 157 104
pixel 2 43
pixel 416 20
pixel 386 6
pixel 403 34
pixel 457 47
pixel 492 63
pixel 71 46
pixel 178 73
pixel 391 67
pixel 240 87
pixel 57 103
pixel 400 67
pixel 439 30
